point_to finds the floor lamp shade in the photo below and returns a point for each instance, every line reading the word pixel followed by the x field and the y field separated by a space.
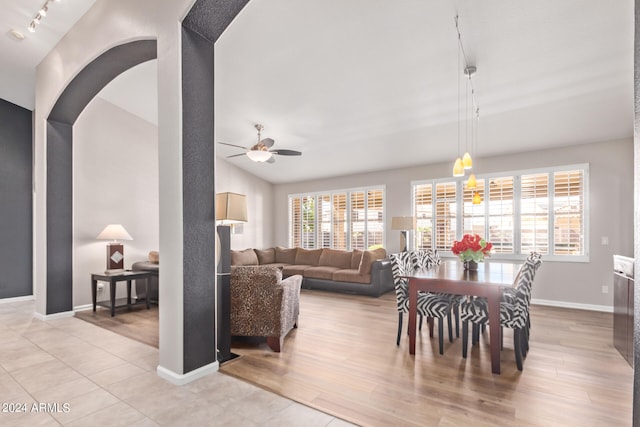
pixel 404 224
pixel 231 207
pixel 115 250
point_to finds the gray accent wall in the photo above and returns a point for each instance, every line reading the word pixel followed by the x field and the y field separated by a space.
pixel 16 236
pixel 201 28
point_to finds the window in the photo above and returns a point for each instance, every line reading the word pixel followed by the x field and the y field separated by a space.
pixel 542 210
pixel 352 219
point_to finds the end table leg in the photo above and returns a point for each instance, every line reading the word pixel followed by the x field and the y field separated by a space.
pixel 112 294
pixel 94 286
pixel 146 290
pixel 128 292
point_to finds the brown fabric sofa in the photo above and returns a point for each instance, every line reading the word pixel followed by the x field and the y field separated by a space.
pixel 359 272
pixel 263 304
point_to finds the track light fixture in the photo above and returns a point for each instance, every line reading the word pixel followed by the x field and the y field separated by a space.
pixel 42 12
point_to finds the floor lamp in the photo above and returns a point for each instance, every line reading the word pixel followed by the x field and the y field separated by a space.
pixel 229 207
pixel 404 224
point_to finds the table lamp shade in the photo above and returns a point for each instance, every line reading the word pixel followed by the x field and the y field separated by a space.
pixel 231 207
pixel 115 250
pixel 403 223
pixel 114 232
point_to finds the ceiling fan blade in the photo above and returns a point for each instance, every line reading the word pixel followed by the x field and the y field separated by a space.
pixel 236 155
pixel 267 142
pixel 233 145
pixel 271 160
pixel 283 152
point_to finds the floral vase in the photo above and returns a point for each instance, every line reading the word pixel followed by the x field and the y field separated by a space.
pixel 471 265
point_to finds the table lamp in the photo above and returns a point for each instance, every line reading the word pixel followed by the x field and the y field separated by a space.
pixel 404 224
pixel 115 250
pixel 231 207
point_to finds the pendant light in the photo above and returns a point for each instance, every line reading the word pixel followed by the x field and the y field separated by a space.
pixel 467 162
pixel 476 198
pixel 471 182
pixel 458 167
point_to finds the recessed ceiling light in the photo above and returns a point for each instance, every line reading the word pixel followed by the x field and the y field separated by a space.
pixel 16 34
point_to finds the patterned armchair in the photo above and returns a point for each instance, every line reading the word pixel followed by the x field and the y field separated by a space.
pixel 263 304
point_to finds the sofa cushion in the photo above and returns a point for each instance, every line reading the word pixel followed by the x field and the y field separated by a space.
pixel 293 269
pixel 285 255
pixel 266 256
pixel 321 272
pixel 335 258
pixel 356 257
pixel 352 276
pixel 368 257
pixel 245 257
pixel 307 257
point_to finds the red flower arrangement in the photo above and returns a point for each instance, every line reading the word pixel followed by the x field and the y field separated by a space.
pixel 472 248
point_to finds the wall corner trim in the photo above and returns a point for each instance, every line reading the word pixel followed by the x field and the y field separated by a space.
pixel 578 306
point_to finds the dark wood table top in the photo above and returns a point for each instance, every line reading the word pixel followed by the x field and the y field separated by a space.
pixel 489 273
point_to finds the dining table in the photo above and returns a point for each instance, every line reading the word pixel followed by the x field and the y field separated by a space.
pixel 451 277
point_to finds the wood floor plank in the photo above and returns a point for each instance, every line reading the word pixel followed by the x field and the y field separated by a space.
pixel 343 360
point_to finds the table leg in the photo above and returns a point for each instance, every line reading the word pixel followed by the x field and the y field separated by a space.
pixel 494 329
pixel 128 293
pixel 112 294
pixel 146 290
pixel 413 314
pixel 94 290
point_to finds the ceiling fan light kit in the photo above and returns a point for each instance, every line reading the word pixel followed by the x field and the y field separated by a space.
pixel 261 152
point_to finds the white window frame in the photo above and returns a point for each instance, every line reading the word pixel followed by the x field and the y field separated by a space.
pixel 460 182
pixel 331 193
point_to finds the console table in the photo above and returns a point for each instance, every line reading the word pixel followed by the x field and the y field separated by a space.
pixel 113 279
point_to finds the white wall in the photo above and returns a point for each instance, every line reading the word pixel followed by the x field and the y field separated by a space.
pixel 257 232
pixel 569 284
pixel 115 181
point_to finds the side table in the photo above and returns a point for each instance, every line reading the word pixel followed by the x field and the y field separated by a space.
pixel 113 279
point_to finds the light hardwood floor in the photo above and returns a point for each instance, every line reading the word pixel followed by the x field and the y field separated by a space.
pixel 343 360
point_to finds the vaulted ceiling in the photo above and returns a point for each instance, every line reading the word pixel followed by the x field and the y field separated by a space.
pixel 364 85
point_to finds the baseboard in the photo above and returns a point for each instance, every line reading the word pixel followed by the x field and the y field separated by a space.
pixel 16 299
pixel 182 379
pixel 565 304
pixel 83 307
pixel 45 317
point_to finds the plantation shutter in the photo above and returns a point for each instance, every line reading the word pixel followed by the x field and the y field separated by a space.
pixel 308 239
pixel 340 221
pixel 568 206
pixel 358 220
pixel 375 219
pixel 534 213
pixel 501 219
pixel 295 223
pixel 445 220
pixel 324 221
pixel 423 205
pixel 473 218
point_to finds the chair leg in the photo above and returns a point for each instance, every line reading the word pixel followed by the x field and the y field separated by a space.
pixel 430 320
pixel 501 340
pixel 465 336
pixel 517 336
pixel 457 314
pixel 440 334
pixel 420 324
pixel 524 342
pixel 475 333
pixel 399 328
pixel 449 326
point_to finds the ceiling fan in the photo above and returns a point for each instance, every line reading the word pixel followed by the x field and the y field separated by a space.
pixel 262 152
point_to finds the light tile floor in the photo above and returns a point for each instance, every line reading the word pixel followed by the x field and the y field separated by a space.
pixel 88 376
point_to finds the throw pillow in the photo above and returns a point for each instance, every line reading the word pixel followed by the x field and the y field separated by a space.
pixel 285 255
pixel 368 257
pixel 266 256
pixel 154 257
pixel 246 257
pixel 307 257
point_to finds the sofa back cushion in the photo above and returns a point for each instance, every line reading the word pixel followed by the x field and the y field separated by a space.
pixel 368 257
pixel 285 255
pixel 246 257
pixel 335 258
pixel 356 257
pixel 307 257
pixel 266 256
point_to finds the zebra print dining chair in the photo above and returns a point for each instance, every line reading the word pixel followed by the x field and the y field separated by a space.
pixel 514 314
pixel 429 305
